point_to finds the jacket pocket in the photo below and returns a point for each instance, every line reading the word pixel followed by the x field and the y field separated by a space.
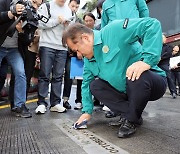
pixel 107 57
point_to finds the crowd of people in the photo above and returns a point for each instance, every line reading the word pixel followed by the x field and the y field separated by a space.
pixel 124 52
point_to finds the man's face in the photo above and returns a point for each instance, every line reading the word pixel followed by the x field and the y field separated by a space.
pixel 60 2
pixel 82 45
pixel 73 6
pixel 36 3
pixel 176 49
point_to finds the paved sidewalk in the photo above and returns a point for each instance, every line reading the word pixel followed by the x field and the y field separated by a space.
pixel 52 132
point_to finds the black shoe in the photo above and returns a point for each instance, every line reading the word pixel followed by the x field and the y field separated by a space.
pixel 117 123
pixel 96 102
pixel 110 114
pixel 139 122
pixel 23 112
pixel 13 108
pixel 174 95
pixel 66 105
pixel 3 100
pixel 126 129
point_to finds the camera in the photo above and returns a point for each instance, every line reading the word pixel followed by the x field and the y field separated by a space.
pixel 29 17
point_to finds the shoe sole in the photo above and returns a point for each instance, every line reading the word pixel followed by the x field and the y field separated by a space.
pixel 58 111
pixel 67 107
pixel 77 108
pixel 23 116
pixel 126 135
pixel 39 112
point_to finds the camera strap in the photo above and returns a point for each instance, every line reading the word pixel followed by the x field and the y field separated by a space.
pixel 11 29
pixel 48 9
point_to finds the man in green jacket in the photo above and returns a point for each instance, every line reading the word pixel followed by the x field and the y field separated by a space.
pixel 121 9
pixel 127 78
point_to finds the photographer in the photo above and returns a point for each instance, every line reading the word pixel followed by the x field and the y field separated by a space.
pixel 28 38
pixel 9 50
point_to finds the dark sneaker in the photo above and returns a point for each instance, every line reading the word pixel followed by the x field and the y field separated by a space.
pixel 3 100
pixel 122 120
pixel 66 105
pixel 126 129
pixel 117 123
pixel 23 112
pixel 140 121
pixel 110 114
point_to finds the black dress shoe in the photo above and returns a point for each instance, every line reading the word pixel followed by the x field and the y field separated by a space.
pixel 110 114
pixel 66 105
pixel 126 129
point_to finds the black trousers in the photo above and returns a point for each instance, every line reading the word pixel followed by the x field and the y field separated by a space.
pixel 3 72
pixel 171 85
pixel 149 87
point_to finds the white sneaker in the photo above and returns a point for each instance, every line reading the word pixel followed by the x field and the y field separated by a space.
pixel 58 108
pixel 105 108
pixel 78 106
pixel 41 109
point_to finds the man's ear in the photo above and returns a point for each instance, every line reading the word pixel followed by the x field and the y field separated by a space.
pixel 85 36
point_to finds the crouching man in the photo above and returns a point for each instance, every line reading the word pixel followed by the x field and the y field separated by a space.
pixel 127 78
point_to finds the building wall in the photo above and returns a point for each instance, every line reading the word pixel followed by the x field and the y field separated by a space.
pixel 168 12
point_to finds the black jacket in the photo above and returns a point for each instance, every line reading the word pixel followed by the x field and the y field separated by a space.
pixel 5 22
pixel 166 54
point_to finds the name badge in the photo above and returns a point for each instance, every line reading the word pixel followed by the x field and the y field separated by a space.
pixel 105 49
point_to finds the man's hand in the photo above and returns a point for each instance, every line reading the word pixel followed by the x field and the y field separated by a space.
pixel 83 117
pixel 136 69
pixel 19 27
pixel 61 19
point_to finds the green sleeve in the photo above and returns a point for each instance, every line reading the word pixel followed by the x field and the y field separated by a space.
pixel 142 8
pixel 86 94
pixel 104 18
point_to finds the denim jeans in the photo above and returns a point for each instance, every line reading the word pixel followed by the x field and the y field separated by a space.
pixel 52 60
pixel 15 60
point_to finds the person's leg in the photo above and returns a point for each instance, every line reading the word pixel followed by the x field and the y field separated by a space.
pixel 67 83
pixel 109 96
pixel 78 100
pixel 17 64
pixel 11 90
pixel 151 87
pixel 78 91
pixel 46 59
pixel 171 85
pixel 3 72
pixel 178 81
pixel 57 75
pixel 30 58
